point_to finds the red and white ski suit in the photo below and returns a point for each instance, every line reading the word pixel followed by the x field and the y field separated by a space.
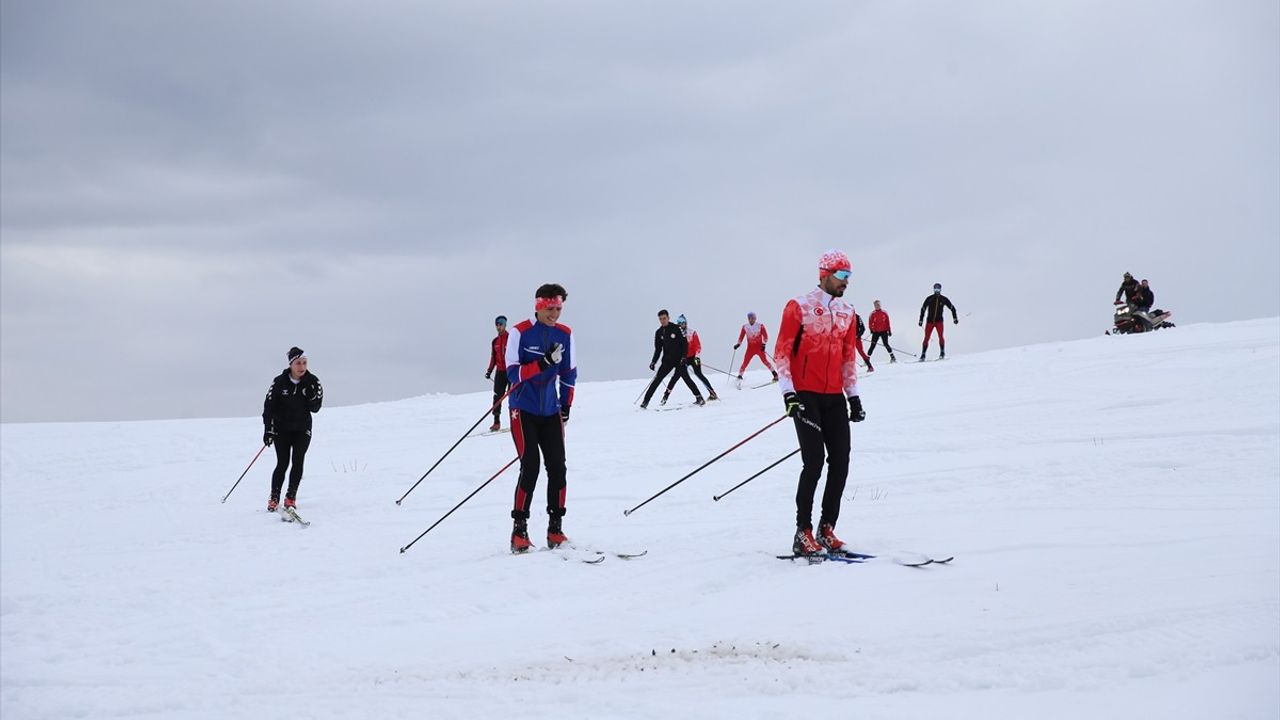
pixel 756 335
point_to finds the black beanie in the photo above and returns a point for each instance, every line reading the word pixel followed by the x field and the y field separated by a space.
pixel 295 352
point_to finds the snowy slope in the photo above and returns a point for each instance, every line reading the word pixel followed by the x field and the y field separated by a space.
pixel 1113 505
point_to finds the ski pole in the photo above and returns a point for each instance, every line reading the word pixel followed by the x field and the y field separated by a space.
pixel 464 501
pixel 732 357
pixel 646 387
pixel 753 477
pixel 464 437
pixel 705 465
pixel 246 472
pixel 716 369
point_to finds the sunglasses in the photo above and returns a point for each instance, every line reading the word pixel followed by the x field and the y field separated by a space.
pixel 841 274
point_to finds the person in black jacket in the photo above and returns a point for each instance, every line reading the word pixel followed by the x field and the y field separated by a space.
pixel 286 417
pixel 934 305
pixel 672 346
pixel 1144 298
pixel 1128 288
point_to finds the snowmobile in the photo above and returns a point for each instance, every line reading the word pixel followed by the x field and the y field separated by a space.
pixel 1129 319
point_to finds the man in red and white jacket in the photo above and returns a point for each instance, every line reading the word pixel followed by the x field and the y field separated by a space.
pixel 816 354
pixel 757 335
pixel 878 323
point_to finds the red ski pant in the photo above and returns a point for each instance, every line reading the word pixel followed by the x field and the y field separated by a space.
pixel 928 332
pixel 754 351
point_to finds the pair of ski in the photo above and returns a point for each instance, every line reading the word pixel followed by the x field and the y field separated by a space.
pixel 288 514
pixel 856 558
pixel 590 557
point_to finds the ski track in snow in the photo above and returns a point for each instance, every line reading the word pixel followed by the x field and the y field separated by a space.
pixel 1116 529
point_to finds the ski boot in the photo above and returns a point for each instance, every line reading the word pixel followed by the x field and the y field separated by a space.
pixel 665 396
pixel 775 376
pixel 272 504
pixel 291 503
pixel 804 543
pixel 827 539
pixel 520 537
pixel 555 534
pixel 713 396
pixel 892 359
pixel 697 400
pixel 921 357
pixel 942 355
pixel 495 427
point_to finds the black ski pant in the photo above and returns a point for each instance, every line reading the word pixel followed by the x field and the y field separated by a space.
pixel 696 364
pixel 535 436
pixel 823 430
pixel 499 389
pixel 882 337
pixel 290 445
pixel 663 369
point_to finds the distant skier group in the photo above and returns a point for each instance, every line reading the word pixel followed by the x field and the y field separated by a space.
pixel 532 365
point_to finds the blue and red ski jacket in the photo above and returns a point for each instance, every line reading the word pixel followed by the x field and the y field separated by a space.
pixel 537 393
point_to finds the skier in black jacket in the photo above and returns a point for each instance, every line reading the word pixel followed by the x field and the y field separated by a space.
pixel 286 418
pixel 934 305
pixel 672 346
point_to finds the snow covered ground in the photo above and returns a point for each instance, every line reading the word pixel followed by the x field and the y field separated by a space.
pixel 1113 505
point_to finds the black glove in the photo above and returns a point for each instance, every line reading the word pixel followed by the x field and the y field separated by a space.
pixel 888 334
pixel 488 375
pixel 735 347
pixel 551 356
pixel 651 365
pixel 696 362
pixel 955 321
pixel 268 437
pixel 792 403
pixel 564 413
pixel 856 413
pixel 921 323
pixel 308 391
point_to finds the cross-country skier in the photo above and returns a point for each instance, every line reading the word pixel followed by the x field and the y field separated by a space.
pixel 878 323
pixel 817 359
pixel 866 359
pixel 672 346
pixel 757 335
pixel 497 360
pixel 691 362
pixel 286 417
pixel 540 357
pixel 934 305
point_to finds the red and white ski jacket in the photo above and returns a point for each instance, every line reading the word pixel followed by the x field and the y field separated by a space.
pixel 757 335
pixel 879 322
pixel 817 345
pixel 695 345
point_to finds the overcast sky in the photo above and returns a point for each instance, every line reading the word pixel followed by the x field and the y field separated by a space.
pixel 189 188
